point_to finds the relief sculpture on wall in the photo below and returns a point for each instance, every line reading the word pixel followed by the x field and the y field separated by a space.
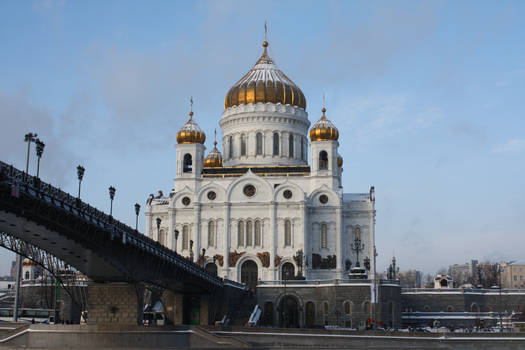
pixel 265 258
pixel 323 263
pixel 234 257
pixel 220 259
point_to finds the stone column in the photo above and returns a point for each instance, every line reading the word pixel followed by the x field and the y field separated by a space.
pixel 305 236
pixel 339 240
pixel 148 224
pixel 197 242
pixel 171 235
pixel 273 238
pixel 227 240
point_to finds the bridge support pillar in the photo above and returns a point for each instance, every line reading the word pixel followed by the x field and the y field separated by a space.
pixel 186 308
pixel 116 303
pixel 173 304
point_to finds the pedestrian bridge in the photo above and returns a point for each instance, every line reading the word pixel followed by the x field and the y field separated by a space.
pixel 45 224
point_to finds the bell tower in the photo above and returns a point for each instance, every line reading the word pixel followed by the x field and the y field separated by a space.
pixel 324 158
pixel 190 149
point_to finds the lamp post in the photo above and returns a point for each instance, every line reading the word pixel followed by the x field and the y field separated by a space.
pixel 357 246
pixel 39 151
pixel 80 176
pixel 111 196
pixel 203 253
pixel 137 211
pixel 176 239
pixel 191 250
pixel 158 229
pixel 29 137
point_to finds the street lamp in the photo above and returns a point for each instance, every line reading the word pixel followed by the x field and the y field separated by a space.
pixel 137 211
pixel 80 175
pixel 176 239
pixel 203 253
pixel 111 196
pixel 29 137
pixel 357 247
pixel 39 151
pixel 191 250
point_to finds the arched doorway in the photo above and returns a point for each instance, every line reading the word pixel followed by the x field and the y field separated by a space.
pixel 249 274
pixel 211 268
pixel 310 314
pixel 268 314
pixel 289 312
pixel 287 271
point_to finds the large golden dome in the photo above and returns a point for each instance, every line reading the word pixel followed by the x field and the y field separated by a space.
pixel 190 132
pixel 214 158
pixel 265 83
pixel 324 130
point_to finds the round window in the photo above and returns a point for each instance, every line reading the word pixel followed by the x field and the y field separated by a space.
pixel 287 194
pixel 212 195
pixel 249 190
pixel 186 200
pixel 323 198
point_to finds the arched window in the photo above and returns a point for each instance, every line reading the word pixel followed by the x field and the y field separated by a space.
pixel 474 308
pixel 324 236
pixel 323 160
pixel 258 232
pixel 288 271
pixel 240 234
pixel 290 146
pixel 243 144
pixel 27 275
pixel 258 143
pixel 366 307
pixel 325 308
pixel 275 144
pixel 187 165
pixel 348 308
pixel 162 237
pixel 287 233
pixel 450 308
pixel 185 237
pixel 211 234
pixel 357 234
pixel 249 233
pixel 303 148
pixel 230 147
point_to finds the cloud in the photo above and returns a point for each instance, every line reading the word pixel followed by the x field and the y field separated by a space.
pixel 376 117
pixel 512 145
pixel 19 116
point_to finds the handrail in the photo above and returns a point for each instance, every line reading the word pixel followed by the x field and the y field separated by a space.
pixel 34 187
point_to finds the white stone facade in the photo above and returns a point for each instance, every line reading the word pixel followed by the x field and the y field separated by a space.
pixel 275 195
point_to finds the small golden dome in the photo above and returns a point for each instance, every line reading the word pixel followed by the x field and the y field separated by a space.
pixel 190 132
pixel 265 83
pixel 339 161
pixel 324 130
pixel 28 262
pixel 214 158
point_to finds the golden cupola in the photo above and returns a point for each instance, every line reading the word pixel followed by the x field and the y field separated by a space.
pixel 324 130
pixel 191 132
pixel 265 83
pixel 214 158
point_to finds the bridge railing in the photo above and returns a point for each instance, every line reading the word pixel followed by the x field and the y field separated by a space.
pixel 23 183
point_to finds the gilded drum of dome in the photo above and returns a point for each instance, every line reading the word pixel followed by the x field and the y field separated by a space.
pixel 265 83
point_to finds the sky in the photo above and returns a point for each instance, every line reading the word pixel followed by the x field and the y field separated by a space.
pixel 427 96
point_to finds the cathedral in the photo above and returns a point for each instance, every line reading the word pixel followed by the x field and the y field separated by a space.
pixel 271 206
